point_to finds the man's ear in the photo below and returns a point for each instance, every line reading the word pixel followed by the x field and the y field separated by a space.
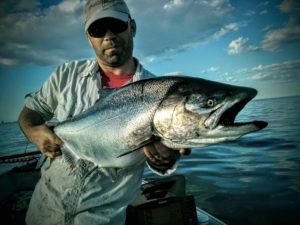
pixel 133 27
pixel 88 38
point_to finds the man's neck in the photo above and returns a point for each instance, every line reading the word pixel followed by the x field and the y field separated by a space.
pixel 128 67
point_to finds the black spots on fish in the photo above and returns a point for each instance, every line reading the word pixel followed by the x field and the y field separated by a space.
pixel 195 102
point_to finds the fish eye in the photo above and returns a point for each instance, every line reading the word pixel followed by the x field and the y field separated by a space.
pixel 210 102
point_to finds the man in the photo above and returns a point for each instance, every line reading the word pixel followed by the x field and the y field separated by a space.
pixel 88 194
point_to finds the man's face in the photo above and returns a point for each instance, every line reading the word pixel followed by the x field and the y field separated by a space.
pixel 112 40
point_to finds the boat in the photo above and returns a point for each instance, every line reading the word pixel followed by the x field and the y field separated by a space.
pixel 160 202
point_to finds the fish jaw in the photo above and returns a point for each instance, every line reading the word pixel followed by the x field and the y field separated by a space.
pixel 221 124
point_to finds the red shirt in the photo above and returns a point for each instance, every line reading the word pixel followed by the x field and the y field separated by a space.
pixel 110 80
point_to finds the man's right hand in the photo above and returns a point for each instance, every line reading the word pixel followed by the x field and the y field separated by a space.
pixel 35 129
pixel 46 140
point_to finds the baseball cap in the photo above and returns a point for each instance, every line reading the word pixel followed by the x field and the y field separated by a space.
pixel 98 9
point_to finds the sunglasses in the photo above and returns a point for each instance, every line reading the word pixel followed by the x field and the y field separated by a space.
pixel 99 28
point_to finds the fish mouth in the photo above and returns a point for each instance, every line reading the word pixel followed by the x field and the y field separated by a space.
pixel 227 119
pixel 224 116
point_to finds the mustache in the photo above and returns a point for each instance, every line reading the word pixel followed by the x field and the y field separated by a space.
pixel 111 44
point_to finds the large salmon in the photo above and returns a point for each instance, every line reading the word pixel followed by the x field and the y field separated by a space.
pixel 181 112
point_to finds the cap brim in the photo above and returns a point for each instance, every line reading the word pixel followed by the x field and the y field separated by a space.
pixel 100 14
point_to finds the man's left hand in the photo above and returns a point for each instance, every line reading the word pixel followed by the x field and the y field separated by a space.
pixel 161 157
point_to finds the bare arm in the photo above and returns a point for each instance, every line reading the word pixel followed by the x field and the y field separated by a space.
pixel 35 129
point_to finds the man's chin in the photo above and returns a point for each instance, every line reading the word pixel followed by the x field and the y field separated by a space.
pixel 115 61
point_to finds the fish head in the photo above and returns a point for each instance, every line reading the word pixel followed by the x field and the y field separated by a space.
pixel 198 112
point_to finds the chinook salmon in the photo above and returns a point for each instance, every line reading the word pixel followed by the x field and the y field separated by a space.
pixel 181 112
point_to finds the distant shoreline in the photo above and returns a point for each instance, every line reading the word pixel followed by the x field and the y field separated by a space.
pixel 290 96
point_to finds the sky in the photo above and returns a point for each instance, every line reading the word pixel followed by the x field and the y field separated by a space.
pixel 249 43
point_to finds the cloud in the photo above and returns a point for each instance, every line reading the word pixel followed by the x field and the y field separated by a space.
pixel 168 27
pixel 229 28
pixel 50 34
pixel 212 69
pixel 42 36
pixel 275 38
pixel 240 45
pixel 285 71
pixel 7 62
pixel 175 73
pixel 290 33
pixel 173 4
pixel 13 6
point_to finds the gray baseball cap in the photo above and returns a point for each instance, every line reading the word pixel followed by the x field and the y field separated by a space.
pixel 98 9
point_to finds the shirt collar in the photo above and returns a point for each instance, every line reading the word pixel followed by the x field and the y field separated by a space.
pixel 93 68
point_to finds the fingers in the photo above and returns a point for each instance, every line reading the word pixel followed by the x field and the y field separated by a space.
pixel 160 157
pixel 56 140
pixel 158 153
pixel 52 154
pixel 47 141
pixel 51 151
pixel 152 154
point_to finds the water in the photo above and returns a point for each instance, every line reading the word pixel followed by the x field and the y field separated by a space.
pixel 12 141
pixel 252 181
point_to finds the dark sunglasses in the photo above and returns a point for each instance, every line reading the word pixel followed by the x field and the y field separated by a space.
pixel 99 28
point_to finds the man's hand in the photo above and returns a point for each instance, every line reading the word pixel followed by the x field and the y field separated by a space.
pixel 161 157
pixel 46 140
pixel 35 129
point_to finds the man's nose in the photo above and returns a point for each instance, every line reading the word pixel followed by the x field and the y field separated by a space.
pixel 109 34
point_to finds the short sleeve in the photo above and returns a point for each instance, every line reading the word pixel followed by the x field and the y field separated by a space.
pixel 45 100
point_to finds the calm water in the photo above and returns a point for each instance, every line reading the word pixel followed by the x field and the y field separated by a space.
pixel 255 180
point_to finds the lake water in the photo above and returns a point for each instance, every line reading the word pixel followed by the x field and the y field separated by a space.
pixel 255 180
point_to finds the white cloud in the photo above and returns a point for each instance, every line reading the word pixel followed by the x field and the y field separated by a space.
pixel 43 36
pixel 167 27
pixel 7 62
pixel 173 4
pixel 211 69
pixel 55 34
pixel 228 78
pixel 175 73
pixel 275 38
pixel 240 45
pixel 290 33
pixel 69 6
pixel 285 71
pixel 260 76
pixel 287 65
pixel 229 28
